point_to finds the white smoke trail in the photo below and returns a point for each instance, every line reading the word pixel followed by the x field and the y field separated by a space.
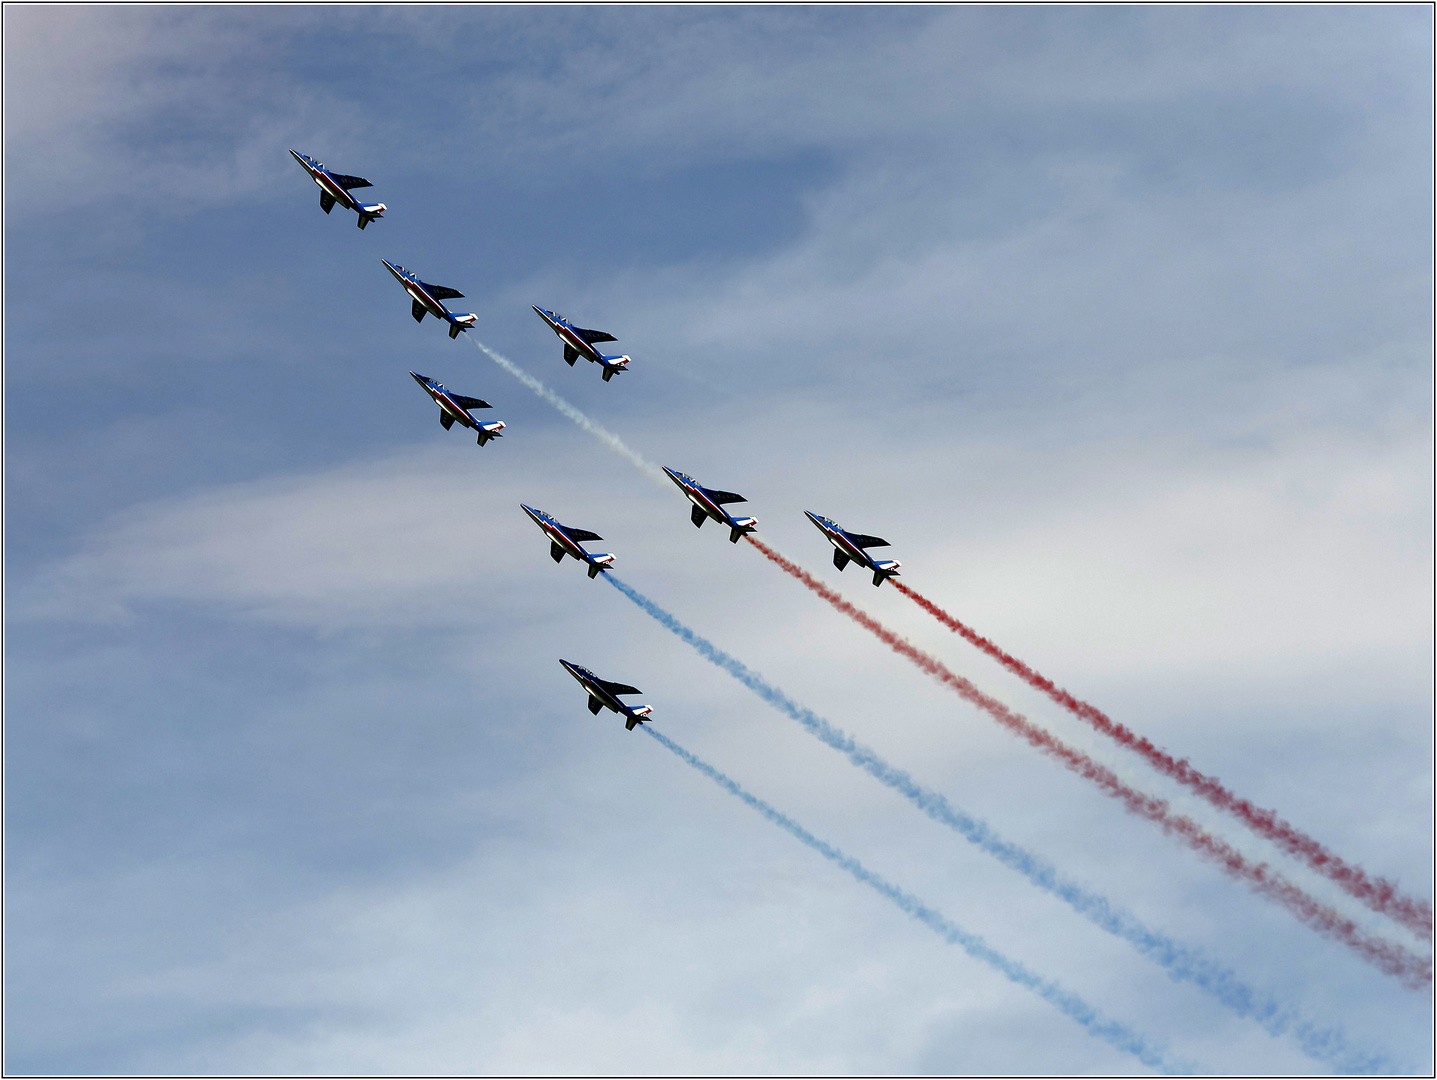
pixel 598 431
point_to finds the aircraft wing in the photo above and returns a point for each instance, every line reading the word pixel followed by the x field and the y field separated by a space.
pixel 470 402
pixel 580 535
pixel 619 688
pixel 442 292
pixel 594 336
pixel 348 182
pixel 867 541
pixel 722 497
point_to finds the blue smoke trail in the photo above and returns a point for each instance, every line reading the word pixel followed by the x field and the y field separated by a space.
pixel 1070 1004
pixel 1182 963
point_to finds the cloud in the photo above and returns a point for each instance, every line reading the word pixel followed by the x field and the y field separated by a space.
pixel 1114 322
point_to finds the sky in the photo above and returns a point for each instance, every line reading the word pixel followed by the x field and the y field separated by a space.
pixel 1116 322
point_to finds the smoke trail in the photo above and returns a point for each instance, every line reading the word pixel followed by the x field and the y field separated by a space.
pixel 598 431
pixel 1388 957
pixel 1076 1008
pixel 1322 1044
pixel 1378 894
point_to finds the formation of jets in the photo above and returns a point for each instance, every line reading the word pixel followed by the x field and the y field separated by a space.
pixel 706 503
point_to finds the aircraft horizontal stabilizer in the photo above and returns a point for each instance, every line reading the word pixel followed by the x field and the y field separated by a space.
pixel 454 329
pixel 594 569
pixel 595 705
pixel 629 724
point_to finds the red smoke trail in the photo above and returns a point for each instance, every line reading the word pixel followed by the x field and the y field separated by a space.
pixel 1378 894
pixel 1392 959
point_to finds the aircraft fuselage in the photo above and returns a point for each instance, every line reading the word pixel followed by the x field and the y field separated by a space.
pixel 565 544
pixel 569 337
pixel 327 183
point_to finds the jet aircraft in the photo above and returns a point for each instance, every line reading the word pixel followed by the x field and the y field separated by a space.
pixel 852 546
pixel 335 188
pixel 454 407
pixel 708 503
pixel 427 300
pixel 605 695
pixel 565 541
pixel 579 342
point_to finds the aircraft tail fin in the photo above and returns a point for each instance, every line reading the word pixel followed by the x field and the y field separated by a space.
pixel 599 564
pixel 613 365
pixel 883 569
pixel 741 526
pixel 638 716
pixel 461 322
pixel 369 212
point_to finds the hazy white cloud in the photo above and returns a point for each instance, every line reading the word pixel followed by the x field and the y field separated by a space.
pixel 1112 321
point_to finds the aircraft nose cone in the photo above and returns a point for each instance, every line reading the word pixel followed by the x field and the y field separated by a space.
pixel 422 380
